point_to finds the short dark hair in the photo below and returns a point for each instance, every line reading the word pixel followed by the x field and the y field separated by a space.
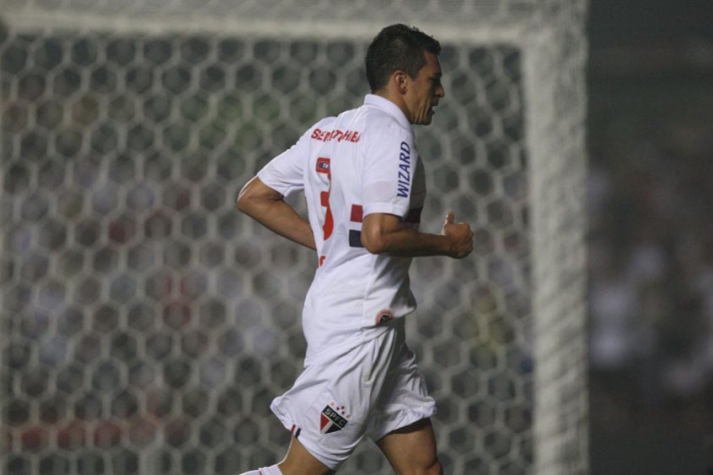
pixel 397 47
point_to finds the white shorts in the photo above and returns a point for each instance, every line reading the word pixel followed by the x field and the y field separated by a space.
pixel 369 385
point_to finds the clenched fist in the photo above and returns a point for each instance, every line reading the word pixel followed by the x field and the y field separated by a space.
pixel 459 235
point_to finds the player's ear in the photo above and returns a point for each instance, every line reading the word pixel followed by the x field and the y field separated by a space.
pixel 399 79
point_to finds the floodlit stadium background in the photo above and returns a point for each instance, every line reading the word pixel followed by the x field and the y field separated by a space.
pixel 650 240
pixel 146 325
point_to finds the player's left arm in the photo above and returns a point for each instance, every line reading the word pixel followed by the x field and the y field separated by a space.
pixel 269 208
pixel 384 233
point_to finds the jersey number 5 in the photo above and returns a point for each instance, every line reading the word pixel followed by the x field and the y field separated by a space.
pixel 323 166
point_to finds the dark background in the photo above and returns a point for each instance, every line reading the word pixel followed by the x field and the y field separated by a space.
pixel 650 83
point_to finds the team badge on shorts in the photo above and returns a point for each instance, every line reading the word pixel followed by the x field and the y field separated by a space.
pixel 331 420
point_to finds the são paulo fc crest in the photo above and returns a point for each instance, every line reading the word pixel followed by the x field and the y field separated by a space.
pixel 333 418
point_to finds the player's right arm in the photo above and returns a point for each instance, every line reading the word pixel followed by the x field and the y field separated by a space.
pixel 384 233
pixel 268 207
pixel 262 198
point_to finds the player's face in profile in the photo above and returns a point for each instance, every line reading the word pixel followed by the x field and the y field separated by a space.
pixel 425 91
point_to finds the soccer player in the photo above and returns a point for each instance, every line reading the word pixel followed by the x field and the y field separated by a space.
pixel 364 183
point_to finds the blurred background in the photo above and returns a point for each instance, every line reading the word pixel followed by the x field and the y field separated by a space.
pixel 145 325
pixel 650 84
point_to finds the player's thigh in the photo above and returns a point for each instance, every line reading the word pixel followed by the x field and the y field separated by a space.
pixel 299 461
pixel 411 450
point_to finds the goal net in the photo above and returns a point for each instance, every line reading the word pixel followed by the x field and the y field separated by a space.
pixel 146 325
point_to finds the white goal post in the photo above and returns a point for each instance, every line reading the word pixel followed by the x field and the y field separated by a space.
pixel 145 325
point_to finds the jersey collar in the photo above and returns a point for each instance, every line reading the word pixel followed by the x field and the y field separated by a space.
pixel 388 106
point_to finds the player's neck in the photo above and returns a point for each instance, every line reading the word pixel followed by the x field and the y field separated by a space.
pixel 396 98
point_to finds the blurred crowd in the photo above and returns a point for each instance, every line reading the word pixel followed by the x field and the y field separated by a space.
pixel 651 259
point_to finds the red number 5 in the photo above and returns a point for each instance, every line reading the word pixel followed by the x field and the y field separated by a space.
pixel 323 166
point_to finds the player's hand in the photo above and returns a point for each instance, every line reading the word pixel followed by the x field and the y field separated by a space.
pixel 459 235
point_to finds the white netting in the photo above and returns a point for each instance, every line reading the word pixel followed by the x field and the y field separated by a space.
pixel 558 185
pixel 146 325
pixel 294 11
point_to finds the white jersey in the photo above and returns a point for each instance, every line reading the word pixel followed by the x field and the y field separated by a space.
pixel 363 161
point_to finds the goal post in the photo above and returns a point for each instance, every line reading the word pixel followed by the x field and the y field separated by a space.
pixel 145 325
pixel 558 232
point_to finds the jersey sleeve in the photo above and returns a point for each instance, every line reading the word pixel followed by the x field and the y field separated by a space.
pixel 390 164
pixel 285 173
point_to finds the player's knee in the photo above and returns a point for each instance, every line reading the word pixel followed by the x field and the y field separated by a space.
pixel 435 469
pixel 432 468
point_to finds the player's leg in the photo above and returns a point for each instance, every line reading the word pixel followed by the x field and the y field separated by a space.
pixel 411 450
pixel 298 461
pixel 401 424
